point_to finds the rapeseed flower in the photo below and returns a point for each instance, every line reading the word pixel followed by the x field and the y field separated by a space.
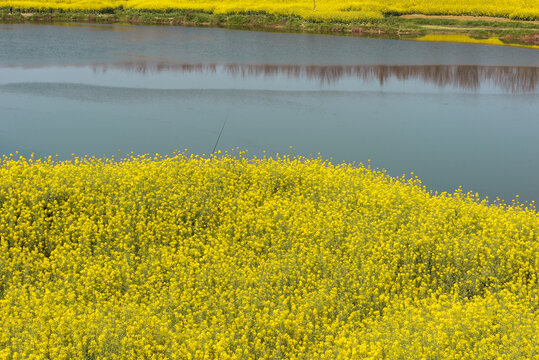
pixel 222 257
pixel 342 10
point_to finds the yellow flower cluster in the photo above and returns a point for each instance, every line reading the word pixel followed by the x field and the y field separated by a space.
pixel 229 257
pixel 333 10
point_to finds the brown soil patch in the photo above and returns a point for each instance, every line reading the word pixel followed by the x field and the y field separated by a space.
pixel 460 28
pixel 456 17
pixel 530 39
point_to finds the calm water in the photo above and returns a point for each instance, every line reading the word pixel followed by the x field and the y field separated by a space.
pixel 454 114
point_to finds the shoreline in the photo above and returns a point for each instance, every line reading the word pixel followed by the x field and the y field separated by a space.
pixel 405 27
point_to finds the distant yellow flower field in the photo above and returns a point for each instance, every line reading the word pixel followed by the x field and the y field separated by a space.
pixel 226 257
pixel 342 10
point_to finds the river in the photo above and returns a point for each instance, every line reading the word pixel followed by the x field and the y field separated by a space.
pixel 453 114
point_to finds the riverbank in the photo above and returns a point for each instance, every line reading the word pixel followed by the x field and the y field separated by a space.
pixel 229 258
pixel 406 27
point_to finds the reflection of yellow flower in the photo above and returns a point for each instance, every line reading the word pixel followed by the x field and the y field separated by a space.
pixel 233 258
pixel 466 39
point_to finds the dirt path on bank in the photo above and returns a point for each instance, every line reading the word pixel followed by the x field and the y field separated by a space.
pixel 465 18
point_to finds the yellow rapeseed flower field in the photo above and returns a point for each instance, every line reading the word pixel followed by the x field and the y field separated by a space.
pixel 326 10
pixel 186 257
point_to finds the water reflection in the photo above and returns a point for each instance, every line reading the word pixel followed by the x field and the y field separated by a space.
pixel 470 77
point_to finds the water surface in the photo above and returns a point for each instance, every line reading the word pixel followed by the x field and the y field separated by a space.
pixel 454 114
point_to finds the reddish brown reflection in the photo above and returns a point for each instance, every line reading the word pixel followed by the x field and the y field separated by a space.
pixel 508 78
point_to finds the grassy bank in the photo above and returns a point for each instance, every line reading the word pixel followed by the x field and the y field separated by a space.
pixel 388 26
pixel 227 258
